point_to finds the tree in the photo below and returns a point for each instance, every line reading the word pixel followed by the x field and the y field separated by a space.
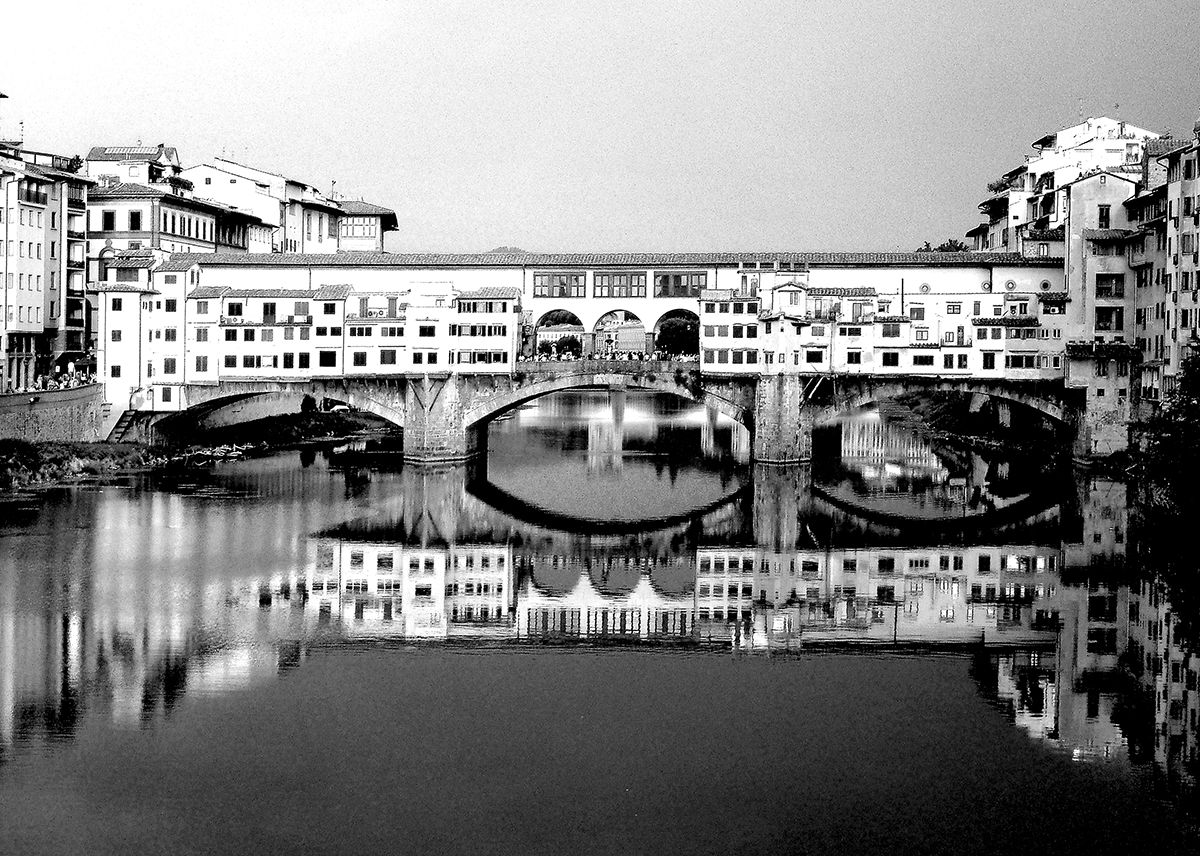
pixel 950 245
pixel 1168 465
pixel 678 336
pixel 570 345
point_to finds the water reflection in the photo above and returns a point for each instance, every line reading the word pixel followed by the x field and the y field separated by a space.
pixel 120 604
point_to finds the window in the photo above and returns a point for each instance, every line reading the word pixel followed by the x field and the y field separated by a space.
pixel 248 335
pixel 327 359
pixel 170 333
pixel 360 358
pixel 231 335
pixel 115 371
pixel 1110 285
pixel 679 284
pixel 558 285
pixel 814 356
pixel 1110 318
pixel 328 309
pixel 116 335
pixel 116 303
pixel 922 359
pixel 854 358
pixel 891 358
pixel 302 360
pixel 891 331
pixel 169 365
pixel 230 361
pixel 201 307
pixel 1104 216
pixel 234 310
pixel 620 285
pixel 387 357
pixel 135 221
pixel 108 221
pixel 426 332
pixel 916 313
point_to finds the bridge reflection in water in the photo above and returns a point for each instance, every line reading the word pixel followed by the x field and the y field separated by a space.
pixel 1047 609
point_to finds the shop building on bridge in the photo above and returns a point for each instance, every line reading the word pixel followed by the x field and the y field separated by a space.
pixel 218 317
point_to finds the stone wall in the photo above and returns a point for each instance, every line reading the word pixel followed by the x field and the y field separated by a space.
pixel 64 414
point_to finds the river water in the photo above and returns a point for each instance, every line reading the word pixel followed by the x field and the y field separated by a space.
pixel 614 635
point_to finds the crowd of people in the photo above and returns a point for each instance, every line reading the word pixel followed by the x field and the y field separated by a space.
pixel 48 383
pixel 566 356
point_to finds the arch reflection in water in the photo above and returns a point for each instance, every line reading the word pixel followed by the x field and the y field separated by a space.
pixel 877 462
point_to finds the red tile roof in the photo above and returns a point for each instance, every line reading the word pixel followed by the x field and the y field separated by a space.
pixel 635 260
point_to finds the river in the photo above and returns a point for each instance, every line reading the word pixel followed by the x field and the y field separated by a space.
pixel 614 634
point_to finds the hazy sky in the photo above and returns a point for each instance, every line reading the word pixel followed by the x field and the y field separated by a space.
pixel 650 125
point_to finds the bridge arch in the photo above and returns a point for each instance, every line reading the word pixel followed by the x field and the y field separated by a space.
pixel 260 399
pixel 853 393
pixel 493 406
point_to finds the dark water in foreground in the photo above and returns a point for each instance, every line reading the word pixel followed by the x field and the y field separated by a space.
pixel 615 637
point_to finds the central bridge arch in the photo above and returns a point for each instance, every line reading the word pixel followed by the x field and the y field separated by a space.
pixel 537 385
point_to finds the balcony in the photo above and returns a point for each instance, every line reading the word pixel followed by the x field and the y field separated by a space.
pixel 76 264
pixel 76 235
pixel 76 202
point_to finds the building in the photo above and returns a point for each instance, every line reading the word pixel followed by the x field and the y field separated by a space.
pixel 43 235
pixel 1025 206
pixel 364 225
pixel 299 218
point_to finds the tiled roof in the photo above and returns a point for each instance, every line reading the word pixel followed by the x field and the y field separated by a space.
pixel 1056 234
pixel 1107 234
pixel 358 208
pixel 1053 295
pixel 175 263
pixel 1164 146
pixel 645 260
pixel 208 292
pixel 130 287
pixel 716 294
pixel 492 293
pixel 124 153
pixel 51 174
pixel 332 292
pixel 131 261
pixel 128 190
pixel 858 291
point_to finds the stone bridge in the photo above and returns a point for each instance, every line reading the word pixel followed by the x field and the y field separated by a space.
pixel 444 416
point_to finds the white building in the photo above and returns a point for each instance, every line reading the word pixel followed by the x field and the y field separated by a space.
pixel 299 217
pixel 363 225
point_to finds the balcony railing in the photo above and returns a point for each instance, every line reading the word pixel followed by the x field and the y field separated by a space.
pixel 33 196
pixel 76 235
pixel 76 264
pixel 76 202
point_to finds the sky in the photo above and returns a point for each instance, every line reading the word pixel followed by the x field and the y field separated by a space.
pixel 652 125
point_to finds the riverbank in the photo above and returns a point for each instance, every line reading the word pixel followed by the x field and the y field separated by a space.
pixel 25 465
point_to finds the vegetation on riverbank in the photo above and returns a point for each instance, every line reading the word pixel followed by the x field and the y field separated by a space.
pixel 24 464
pixel 1167 473
pixel 289 429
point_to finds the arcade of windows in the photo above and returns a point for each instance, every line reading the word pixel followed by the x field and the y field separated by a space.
pixel 479 306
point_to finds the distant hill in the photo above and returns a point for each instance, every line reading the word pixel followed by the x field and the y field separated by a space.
pixel 508 250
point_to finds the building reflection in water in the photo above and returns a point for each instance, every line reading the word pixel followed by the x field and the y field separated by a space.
pixel 1061 642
